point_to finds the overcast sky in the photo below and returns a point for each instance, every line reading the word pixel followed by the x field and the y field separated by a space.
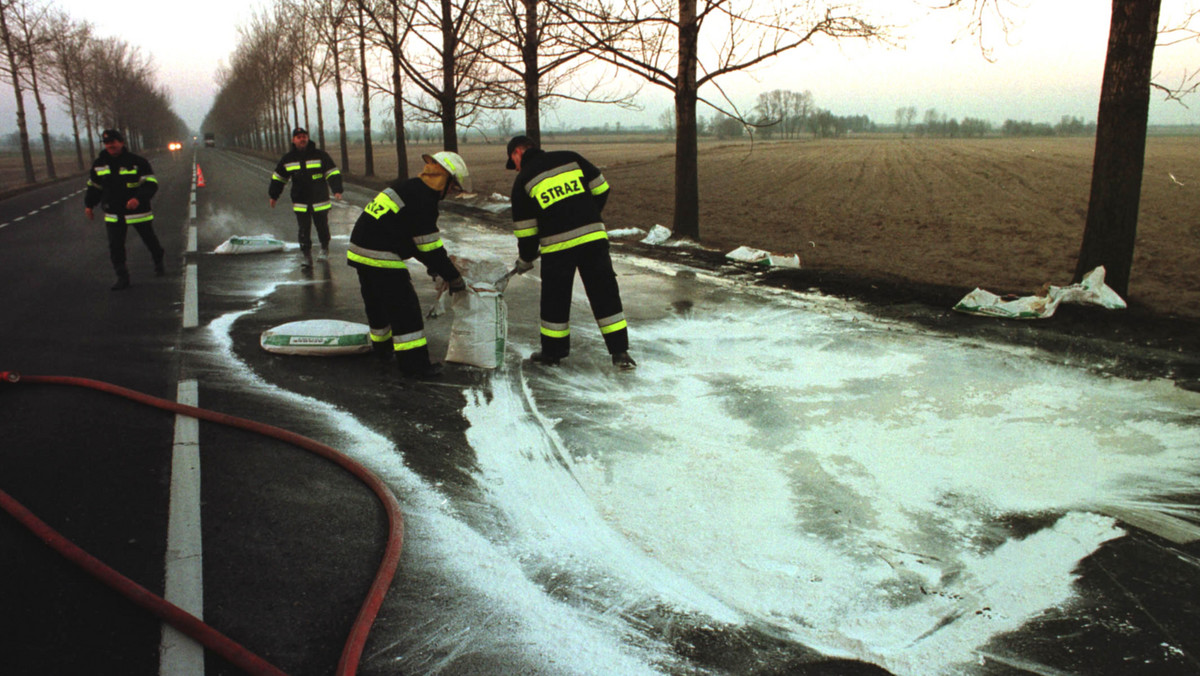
pixel 1050 66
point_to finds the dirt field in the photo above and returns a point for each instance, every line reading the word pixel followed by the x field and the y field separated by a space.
pixel 1007 215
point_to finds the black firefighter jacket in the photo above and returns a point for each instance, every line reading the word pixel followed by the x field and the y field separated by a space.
pixel 312 174
pixel 556 202
pixel 401 223
pixel 114 180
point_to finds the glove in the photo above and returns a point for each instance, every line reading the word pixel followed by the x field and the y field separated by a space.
pixel 522 266
pixel 458 286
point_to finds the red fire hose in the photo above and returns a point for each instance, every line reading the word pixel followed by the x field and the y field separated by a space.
pixel 181 619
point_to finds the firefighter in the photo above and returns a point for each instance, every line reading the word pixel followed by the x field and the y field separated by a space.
pixel 313 175
pixel 557 198
pixel 123 184
pixel 401 223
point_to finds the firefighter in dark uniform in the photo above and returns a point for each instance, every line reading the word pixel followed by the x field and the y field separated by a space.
pixel 123 184
pixel 313 175
pixel 401 223
pixel 557 198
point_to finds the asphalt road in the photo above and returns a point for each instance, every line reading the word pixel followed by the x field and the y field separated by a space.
pixel 291 542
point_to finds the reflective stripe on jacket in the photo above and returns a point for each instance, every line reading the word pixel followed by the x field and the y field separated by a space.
pixel 313 176
pixel 557 198
pixel 116 179
pixel 401 223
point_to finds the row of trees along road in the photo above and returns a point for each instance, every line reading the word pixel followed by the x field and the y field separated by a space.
pixel 101 82
pixel 453 60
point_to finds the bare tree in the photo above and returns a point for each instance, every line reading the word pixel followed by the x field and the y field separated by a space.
pixel 392 23
pixel 68 45
pixel 1108 238
pixel 532 44
pixel 1180 31
pixel 659 40
pixel 329 22
pixel 448 67
pixel 1110 233
pixel 360 27
pixel 786 110
pixel 31 30
pixel 12 73
pixel 313 61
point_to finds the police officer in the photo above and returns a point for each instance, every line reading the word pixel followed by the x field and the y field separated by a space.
pixel 313 174
pixel 123 184
pixel 401 223
pixel 557 198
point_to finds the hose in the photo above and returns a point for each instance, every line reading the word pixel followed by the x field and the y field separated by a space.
pixel 181 619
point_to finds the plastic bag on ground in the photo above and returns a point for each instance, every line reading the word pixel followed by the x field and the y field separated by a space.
pixel 747 254
pixel 658 235
pixel 1091 290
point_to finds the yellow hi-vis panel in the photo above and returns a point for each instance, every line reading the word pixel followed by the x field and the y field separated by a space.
pixel 557 188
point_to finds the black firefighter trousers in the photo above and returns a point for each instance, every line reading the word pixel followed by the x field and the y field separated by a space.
pixel 305 220
pixel 595 268
pixel 394 315
pixel 118 229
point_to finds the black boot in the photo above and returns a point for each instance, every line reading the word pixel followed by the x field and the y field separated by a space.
pixel 542 358
pixel 122 283
pixel 159 269
pixel 427 371
pixel 623 361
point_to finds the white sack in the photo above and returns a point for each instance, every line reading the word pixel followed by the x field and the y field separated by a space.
pixel 1091 291
pixel 479 331
pixel 317 337
pixel 241 244
pixel 746 254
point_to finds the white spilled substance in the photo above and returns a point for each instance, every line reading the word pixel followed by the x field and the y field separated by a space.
pixel 772 463
pixel 841 482
pixel 492 612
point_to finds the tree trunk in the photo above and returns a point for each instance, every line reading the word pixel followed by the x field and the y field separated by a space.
pixel 687 181
pixel 320 119
pixel 74 111
pixel 292 97
pixel 398 117
pixel 41 106
pixel 89 126
pixel 304 98
pixel 341 105
pixel 1108 238
pixel 449 95
pixel 532 76
pixel 22 128
pixel 368 152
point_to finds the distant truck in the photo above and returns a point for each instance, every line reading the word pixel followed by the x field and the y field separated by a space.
pixel 210 140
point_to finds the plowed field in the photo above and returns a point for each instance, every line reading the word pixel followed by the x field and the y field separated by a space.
pixel 1004 214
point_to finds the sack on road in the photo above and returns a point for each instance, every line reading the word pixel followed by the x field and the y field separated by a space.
pixel 479 331
pixel 242 244
pixel 318 338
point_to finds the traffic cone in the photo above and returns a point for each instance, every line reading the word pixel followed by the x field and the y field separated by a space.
pixel 199 177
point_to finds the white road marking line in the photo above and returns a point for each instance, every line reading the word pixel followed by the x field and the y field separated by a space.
pixel 185 559
pixel 191 289
pixel 43 207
